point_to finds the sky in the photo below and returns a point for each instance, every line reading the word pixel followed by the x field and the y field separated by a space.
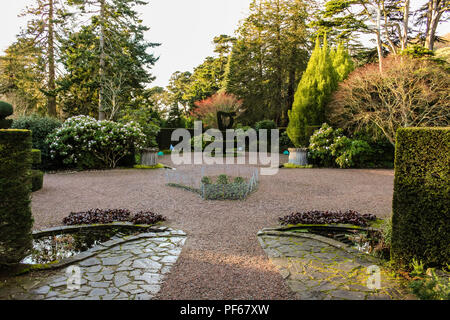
pixel 185 28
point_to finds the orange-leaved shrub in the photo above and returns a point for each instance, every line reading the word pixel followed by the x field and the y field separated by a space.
pixel 221 101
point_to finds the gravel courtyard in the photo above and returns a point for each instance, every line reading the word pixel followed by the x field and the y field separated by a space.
pixel 222 258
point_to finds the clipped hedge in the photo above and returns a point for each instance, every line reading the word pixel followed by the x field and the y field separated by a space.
pixel 41 128
pixel 36 156
pixel 15 191
pixel 421 204
pixel 37 180
pixel 37 176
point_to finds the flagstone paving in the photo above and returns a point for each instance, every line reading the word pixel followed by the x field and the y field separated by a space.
pixel 318 268
pixel 134 270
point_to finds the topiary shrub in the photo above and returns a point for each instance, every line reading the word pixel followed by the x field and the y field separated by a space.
pixel 37 180
pixel 37 176
pixel 36 156
pixel 15 190
pixel 6 110
pixel 421 204
pixel 40 127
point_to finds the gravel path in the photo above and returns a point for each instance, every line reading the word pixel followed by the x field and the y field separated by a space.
pixel 222 258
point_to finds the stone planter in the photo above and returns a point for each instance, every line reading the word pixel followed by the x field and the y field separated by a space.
pixel 149 157
pixel 298 156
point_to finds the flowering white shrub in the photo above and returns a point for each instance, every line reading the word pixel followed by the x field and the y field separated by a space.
pixel 320 145
pixel 329 147
pixel 105 140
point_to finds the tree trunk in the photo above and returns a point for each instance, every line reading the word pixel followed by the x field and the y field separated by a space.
pixel 51 99
pixel 404 37
pixel 435 10
pixel 379 43
pixel 101 113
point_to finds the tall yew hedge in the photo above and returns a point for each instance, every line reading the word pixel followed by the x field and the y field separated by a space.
pixel 421 204
pixel 15 195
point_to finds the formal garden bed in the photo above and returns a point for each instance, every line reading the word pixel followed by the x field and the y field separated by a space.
pixel 237 185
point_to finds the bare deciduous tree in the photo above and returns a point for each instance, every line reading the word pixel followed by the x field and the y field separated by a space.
pixel 409 93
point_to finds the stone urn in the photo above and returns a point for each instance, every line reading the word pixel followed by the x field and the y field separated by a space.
pixel 149 156
pixel 298 156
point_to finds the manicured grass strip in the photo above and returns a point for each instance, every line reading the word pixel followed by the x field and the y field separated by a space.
pixel 295 166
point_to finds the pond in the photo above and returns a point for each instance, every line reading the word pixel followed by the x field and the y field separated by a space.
pixel 364 240
pixel 52 248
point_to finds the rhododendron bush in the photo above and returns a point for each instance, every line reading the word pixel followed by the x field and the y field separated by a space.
pixel 108 142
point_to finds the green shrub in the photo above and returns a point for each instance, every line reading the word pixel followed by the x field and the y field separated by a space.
pixel 265 124
pixel 41 128
pixel 206 180
pixel 421 210
pixel 15 190
pixel 329 147
pixel 145 118
pixel 320 145
pixel 37 180
pixel 222 179
pixel 431 287
pixel 87 143
pixel 382 151
pixel 350 153
pixel 285 142
pixel 6 109
pixel 36 156
pixel 201 141
pixel 239 180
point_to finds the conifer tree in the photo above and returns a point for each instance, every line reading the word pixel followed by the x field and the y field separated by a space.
pixel 342 62
pixel 313 93
pixel 43 31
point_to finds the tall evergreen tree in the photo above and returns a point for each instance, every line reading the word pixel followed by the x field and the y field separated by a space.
pixel 268 58
pixel 313 93
pixel 44 31
pixel 107 60
pixel 116 22
pixel 22 73
pixel 342 62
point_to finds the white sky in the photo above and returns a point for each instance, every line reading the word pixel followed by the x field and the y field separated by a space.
pixel 185 28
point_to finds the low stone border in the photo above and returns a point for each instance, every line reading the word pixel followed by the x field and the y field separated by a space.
pixel 319 268
pixel 343 227
pixel 155 231
pixel 337 244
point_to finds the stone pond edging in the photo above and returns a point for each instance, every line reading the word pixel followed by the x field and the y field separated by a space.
pixel 315 267
pixel 152 231
pixel 279 232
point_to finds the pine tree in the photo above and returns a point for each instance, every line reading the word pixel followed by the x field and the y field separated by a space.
pixel 43 30
pixel 342 62
pixel 313 93
pixel 115 22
